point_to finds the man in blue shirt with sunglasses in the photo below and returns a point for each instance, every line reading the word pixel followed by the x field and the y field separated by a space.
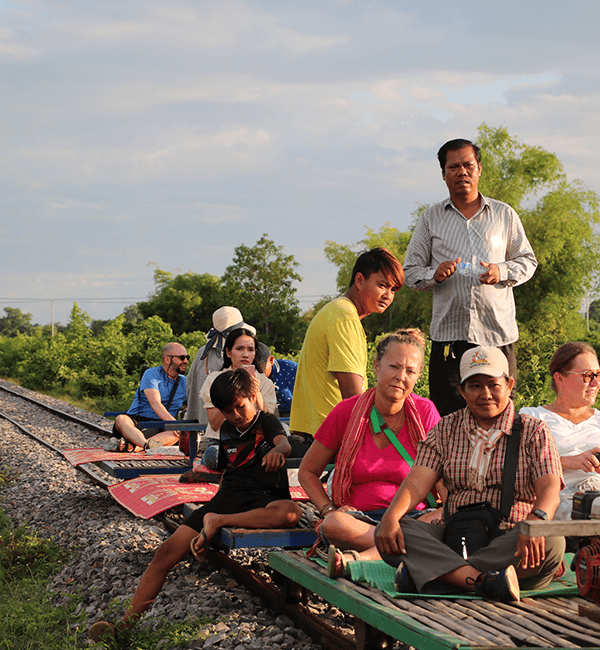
pixel 159 396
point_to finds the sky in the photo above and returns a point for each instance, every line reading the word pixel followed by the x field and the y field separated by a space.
pixel 142 134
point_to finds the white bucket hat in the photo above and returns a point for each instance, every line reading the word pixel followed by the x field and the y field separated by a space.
pixel 225 320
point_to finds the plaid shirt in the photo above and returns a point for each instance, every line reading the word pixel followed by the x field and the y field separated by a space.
pixel 447 451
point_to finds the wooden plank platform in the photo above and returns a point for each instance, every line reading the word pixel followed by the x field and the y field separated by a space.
pixel 580 528
pixel 436 624
pixel 261 538
pixel 127 469
pixel 285 537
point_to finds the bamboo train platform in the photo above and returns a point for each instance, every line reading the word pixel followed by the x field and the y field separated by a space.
pixel 436 623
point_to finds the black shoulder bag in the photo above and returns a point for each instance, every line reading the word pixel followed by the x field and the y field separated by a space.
pixel 474 526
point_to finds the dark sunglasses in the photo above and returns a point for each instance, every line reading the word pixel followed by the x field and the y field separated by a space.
pixel 180 356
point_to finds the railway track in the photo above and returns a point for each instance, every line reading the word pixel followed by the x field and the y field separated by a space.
pixel 285 600
pixel 552 622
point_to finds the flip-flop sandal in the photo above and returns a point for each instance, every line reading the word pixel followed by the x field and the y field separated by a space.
pixel 198 557
pixel 123 447
pixel 102 632
pixel 337 562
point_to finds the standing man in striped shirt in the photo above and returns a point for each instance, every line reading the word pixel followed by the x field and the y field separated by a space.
pixel 470 250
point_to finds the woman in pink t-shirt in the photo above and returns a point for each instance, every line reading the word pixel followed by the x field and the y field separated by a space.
pixel 369 466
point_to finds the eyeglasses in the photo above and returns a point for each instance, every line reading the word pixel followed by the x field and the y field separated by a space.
pixel 587 375
pixel 180 356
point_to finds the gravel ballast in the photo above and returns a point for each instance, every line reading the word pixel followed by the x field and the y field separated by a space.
pixel 110 549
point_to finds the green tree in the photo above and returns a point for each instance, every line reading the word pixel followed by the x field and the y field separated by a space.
pixel 259 282
pixel 512 171
pixel 561 229
pixel 560 219
pixel 79 324
pixel 410 308
pixel 15 322
pixel 186 301
pixel 594 315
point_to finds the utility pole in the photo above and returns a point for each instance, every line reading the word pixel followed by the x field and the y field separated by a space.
pixel 52 306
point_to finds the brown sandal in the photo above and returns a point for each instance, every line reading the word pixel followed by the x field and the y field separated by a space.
pixel 103 632
pixel 197 555
pixel 337 563
pixel 125 447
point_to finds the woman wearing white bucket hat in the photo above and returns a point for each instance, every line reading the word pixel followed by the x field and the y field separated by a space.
pixel 210 358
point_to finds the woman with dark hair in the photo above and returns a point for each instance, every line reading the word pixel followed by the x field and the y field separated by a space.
pixel 375 436
pixel 240 350
pixel 573 420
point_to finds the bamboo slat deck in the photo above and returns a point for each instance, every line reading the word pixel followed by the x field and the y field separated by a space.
pixel 126 469
pixel 438 623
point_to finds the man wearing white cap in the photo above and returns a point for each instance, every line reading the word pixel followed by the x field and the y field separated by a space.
pixel 210 358
pixel 467 450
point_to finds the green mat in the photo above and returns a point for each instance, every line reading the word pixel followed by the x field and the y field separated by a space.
pixel 380 575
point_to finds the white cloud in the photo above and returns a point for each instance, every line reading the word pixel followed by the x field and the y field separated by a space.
pixel 124 123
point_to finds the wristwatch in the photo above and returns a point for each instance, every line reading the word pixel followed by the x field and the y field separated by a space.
pixel 540 513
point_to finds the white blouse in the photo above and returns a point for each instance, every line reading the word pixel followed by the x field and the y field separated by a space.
pixel 571 439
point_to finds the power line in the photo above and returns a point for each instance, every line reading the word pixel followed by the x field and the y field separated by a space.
pixel 117 299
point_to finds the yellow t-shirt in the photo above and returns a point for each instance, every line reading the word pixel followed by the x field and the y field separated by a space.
pixel 335 342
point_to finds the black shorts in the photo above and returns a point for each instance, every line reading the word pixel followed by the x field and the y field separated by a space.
pixel 136 420
pixel 229 502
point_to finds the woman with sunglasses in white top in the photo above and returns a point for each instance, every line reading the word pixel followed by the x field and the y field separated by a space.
pixel 573 420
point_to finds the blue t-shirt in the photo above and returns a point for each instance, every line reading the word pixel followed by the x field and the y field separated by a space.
pixel 283 376
pixel 158 379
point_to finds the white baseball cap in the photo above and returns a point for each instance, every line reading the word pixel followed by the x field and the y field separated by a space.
pixel 483 361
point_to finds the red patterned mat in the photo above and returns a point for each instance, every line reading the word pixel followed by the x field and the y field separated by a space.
pixel 147 496
pixel 83 456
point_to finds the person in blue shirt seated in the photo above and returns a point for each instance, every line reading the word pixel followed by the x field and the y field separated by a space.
pixel 282 372
pixel 160 395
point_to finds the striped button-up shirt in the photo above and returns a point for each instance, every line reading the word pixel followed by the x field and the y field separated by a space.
pixel 463 308
pixel 447 451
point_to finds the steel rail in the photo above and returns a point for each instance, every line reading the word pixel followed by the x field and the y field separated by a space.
pixel 82 468
pixel 62 414
pixel 320 631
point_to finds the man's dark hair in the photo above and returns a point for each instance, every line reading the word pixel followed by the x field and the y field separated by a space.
pixel 379 259
pixel 454 145
pixel 232 337
pixel 229 385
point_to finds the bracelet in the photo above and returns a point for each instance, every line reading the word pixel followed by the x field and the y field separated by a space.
pixel 327 508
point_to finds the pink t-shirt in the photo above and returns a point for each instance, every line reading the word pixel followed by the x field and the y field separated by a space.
pixel 377 473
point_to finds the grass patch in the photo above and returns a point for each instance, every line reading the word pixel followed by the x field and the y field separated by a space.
pixel 28 618
pixel 163 633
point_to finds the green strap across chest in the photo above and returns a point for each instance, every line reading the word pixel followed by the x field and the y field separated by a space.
pixel 378 424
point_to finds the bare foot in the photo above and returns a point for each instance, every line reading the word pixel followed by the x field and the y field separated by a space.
pixel 199 545
pixel 211 525
pixel 124 446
